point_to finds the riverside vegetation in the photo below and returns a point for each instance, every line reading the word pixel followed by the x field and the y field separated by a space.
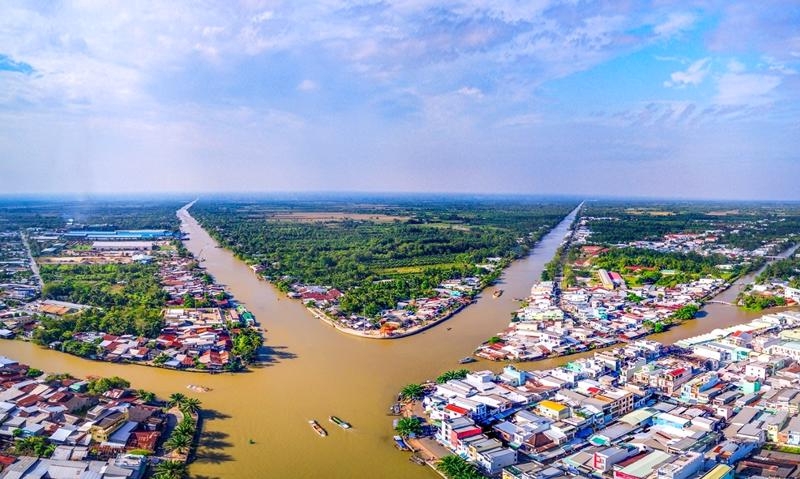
pixel 381 251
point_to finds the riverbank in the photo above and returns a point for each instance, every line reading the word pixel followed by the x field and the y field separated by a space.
pixel 373 334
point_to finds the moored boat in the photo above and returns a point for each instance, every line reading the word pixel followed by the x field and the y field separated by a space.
pixel 400 443
pixel 317 428
pixel 467 360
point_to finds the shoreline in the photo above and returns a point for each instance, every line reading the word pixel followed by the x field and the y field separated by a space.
pixel 317 313
pixel 148 364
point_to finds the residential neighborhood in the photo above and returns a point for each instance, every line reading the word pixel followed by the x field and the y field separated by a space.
pixel 57 426
pixel 714 406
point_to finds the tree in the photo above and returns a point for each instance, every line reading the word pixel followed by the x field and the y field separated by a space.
pixel 452 374
pixel 686 312
pixel 408 426
pixel 34 373
pixel 34 446
pixel 495 340
pixel 456 467
pixel 176 399
pixel 101 385
pixel 179 443
pixel 145 396
pixel 170 470
pixel 190 405
pixel 185 427
pixel 411 392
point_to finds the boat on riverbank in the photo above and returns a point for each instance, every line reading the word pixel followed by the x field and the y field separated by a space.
pixel 400 443
pixel 339 422
pixel 317 428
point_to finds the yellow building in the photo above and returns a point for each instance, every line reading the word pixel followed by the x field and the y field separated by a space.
pixel 553 410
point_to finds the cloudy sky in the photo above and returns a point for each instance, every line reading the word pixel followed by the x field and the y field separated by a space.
pixel 683 99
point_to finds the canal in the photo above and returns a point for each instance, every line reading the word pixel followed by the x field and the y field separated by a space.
pixel 314 371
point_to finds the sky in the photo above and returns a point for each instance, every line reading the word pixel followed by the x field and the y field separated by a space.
pixel 685 99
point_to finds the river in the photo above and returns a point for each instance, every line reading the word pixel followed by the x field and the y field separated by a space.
pixel 315 371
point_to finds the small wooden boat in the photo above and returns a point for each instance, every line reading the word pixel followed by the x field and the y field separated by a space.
pixel 400 443
pixel 198 389
pixel 417 460
pixel 467 360
pixel 317 428
pixel 339 422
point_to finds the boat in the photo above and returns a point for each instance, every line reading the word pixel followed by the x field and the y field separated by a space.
pixel 467 360
pixel 198 389
pixel 498 293
pixel 252 441
pixel 417 460
pixel 317 428
pixel 339 422
pixel 400 443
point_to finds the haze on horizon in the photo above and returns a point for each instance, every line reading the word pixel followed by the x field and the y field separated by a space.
pixel 655 99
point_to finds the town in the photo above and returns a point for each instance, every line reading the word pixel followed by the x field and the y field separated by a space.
pixel 714 406
pixel 190 323
pixel 588 306
pixel 55 425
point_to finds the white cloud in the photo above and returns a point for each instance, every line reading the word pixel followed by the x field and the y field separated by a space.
pixel 263 16
pixel 307 85
pixel 471 92
pixel 745 88
pixel 735 66
pixel 675 23
pixel 694 75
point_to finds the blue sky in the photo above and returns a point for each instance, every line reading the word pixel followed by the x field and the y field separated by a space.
pixel 667 99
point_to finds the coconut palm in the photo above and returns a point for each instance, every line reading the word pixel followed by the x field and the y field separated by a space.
pixel 452 374
pixel 179 443
pixel 185 427
pixel 456 467
pixel 190 405
pixel 176 399
pixel 412 392
pixel 408 426
pixel 170 470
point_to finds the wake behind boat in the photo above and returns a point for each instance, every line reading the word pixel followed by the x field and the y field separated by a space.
pixel 317 428
pixel 339 422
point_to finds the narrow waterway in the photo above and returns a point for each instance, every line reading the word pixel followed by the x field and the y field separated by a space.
pixel 315 371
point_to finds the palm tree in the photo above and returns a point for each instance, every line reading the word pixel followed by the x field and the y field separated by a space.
pixel 179 442
pixel 145 396
pixel 452 374
pixel 456 467
pixel 412 392
pixel 190 405
pixel 408 426
pixel 170 470
pixel 176 399
pixel 185 428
